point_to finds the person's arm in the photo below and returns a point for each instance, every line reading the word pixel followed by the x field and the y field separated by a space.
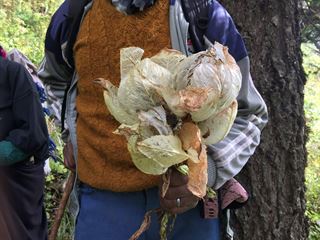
pixel 229 156
pixel 54 70
pixel 29 137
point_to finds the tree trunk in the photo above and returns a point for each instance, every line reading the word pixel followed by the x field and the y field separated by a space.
pixel 274 176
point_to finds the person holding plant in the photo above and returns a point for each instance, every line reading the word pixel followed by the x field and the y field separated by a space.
pixel 111 194
pixel 23 149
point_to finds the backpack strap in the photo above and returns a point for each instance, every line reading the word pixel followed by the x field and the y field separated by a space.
pixel 75 14
pixel 196 13
pixel 64 106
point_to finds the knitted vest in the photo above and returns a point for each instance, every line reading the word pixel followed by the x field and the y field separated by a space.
pixel 103 159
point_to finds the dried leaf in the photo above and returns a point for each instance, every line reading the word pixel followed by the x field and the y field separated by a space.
pixel 129 57
pixel 169 59
pixel 154 74
pixel 156 118
pixel 142 132
pixel 193 155
pixel 144 225
pixel 188 100
pixel 115 108
pixel 214 70
pixel 138 89
pixel 143 163
pixel 203 86
pixel 173 101
pixel 191 140
pixel 198 174
pixel 190 136
pixel 166 150
pixel 217 127
pixel 135 133
pixel 127 130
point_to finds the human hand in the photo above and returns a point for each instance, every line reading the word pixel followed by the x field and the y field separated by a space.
pixel 178 198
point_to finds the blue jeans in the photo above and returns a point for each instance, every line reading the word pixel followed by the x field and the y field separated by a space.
pixel 109 215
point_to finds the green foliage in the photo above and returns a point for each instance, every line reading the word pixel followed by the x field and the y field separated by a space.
pixel 23 25
pixel 311 21
pixel 311 63
pixel 54 187
pixel 53 191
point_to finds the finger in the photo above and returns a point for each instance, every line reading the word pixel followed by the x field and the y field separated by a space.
pixel 174 192
pixel 178 179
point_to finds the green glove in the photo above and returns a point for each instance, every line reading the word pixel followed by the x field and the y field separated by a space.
pixel 10 154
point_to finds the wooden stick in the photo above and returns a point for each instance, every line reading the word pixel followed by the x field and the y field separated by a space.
pixel 62 206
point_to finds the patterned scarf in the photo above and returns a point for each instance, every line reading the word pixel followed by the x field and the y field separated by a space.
pixel 131 6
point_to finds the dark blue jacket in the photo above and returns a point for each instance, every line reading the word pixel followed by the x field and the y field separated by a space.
pixel 22 120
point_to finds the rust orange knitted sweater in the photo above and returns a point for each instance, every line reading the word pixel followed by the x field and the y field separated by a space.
pixel 103 159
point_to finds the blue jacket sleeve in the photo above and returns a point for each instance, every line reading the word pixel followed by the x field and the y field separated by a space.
pixel 54 71
pixel 222 29
pixel 227 157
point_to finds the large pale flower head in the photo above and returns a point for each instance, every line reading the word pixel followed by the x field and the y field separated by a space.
pixel 139 80
pixel 205 84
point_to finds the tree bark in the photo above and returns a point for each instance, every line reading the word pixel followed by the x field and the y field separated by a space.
pixel 274 176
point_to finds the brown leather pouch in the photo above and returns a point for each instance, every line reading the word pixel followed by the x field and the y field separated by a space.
pixel 210 208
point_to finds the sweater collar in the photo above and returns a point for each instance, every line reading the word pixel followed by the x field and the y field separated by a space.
pixel 131 6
